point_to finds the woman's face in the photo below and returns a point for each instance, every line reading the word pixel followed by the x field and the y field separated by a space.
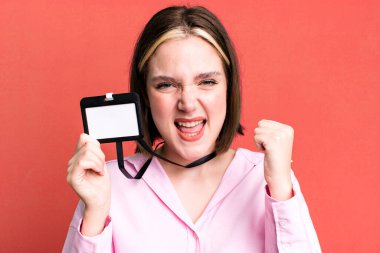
pixel 187 91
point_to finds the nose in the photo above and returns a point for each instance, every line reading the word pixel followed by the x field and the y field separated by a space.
pixel 188 99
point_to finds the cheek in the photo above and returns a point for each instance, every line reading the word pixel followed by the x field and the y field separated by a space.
pixel 220 108
pixel 160 108
pixel 217 105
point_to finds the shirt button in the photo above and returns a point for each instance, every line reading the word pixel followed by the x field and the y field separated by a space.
pixel 282 223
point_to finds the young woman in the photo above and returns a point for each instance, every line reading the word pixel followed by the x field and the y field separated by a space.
pixel 185 71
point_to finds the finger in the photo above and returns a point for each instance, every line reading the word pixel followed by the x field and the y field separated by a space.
pixel 93 166
pixel 270 141
pixel 270 124
pixel 277 125
pixel 260 141
pixel 85 138
pixel 87 153
pixel 86 165
pixel 81 141
pixel 259 137
pixel 93 147
pixel 93 155
pixel 74 176
pixel 264 130
pixel 94 150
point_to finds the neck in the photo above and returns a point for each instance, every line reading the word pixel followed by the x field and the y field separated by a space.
pixel 217 165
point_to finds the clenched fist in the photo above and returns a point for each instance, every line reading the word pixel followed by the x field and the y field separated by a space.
pixel 276 140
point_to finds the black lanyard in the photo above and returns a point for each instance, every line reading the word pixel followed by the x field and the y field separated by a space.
pixel 140 173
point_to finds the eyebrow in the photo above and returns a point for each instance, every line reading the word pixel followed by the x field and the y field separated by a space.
pixel 208 75
pixel 164 78
pixel 197 77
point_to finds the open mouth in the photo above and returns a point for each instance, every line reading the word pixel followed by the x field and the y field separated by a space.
pixel 190 129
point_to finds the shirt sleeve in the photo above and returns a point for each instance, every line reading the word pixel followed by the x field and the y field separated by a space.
pixel 78 243
pixel 288 226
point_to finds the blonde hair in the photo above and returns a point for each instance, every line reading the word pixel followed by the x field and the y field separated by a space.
pixel 181 33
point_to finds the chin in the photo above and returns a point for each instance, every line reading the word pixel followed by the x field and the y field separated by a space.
pixel 186 152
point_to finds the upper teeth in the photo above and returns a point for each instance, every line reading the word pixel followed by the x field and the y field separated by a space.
pixel 190 124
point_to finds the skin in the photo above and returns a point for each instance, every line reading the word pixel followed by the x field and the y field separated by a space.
pixel 88 176
pixel 276 140
pixel 186 81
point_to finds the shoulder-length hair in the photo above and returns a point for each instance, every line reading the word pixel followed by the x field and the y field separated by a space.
pixel 181 22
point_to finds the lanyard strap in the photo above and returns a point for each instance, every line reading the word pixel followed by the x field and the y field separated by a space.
pixel 140 173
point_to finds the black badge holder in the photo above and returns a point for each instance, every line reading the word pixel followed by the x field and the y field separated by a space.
pixel 117 118
pixel 114 118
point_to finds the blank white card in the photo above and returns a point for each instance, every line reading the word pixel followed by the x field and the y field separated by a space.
pixel 112 121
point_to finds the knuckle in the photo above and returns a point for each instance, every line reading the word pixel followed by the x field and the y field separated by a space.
pixel 289 130
pixel 81 163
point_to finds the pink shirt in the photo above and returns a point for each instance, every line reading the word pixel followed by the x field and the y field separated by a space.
pixel 147 216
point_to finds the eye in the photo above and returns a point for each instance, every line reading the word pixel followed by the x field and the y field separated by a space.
pixel 163 86
pixel 208 82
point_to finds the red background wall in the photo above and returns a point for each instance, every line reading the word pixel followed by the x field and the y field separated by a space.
pixel 311 64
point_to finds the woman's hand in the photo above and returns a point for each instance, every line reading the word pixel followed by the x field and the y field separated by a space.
pixel 88 176
pixel 276 140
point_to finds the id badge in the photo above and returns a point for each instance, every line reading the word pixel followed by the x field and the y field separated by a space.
pixel 112 117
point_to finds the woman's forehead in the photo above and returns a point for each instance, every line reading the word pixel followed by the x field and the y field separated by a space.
pixel 188 55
